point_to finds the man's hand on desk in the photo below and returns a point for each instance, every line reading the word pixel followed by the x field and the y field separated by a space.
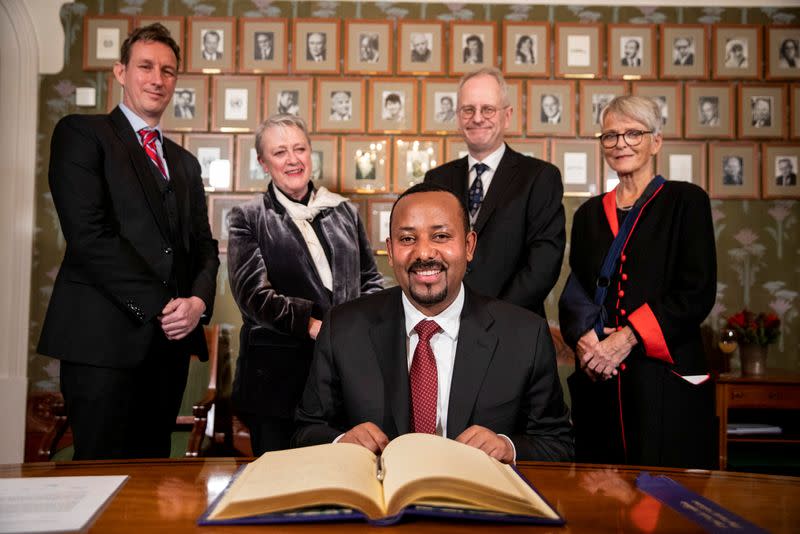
pixel 496 446
pixel 367 435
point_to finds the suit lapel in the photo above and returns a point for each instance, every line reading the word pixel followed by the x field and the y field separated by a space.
pixel 504 176
pixel 458 180
pixel 474 353
pixel 389 343
pixel 142 167
pixel 179 182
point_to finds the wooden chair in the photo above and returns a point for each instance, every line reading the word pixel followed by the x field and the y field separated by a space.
pixel 215 399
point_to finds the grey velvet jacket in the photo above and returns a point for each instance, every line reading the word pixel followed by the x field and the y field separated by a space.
pixel 277 289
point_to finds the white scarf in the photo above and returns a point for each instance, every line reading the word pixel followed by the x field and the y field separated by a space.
pixel 302 215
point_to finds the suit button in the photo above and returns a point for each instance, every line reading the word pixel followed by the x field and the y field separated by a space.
pixel 622 312
pixel 168 251
pixel 164 283
pixel 621 293
pixel 623 258
pixel 624 276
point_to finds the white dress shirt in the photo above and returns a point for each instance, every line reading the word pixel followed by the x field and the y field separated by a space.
pixel 492 161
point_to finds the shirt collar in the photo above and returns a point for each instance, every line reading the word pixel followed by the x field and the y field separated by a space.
pixel 137 123
pixel 448 320
pixel 492 160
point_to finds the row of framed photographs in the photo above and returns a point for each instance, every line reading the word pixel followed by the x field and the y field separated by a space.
pixel 733 167
pixel 734 51
pixel 382 164
pixel 237 105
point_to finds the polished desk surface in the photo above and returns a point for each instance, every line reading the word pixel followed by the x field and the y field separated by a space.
pixel 169 495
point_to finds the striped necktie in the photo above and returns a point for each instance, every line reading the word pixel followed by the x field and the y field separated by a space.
pixel 148 138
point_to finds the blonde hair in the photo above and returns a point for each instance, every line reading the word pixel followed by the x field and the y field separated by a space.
pixel 280 120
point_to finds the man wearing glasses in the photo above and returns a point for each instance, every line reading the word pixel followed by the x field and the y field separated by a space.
pixel 514 201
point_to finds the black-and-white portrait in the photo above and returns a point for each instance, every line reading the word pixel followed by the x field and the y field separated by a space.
pixel 316 164
pixel 732 169
pixel 206 155
pixel 473 49
pixel 789 54
pixel 421 47
pixel 184 102
pixel 631 51
pixel 550 112
pixel 393 106
pixel 663 108
pixel 736 54
pixel 236 104
pixel 526 50
pixel 761 111
pixel 368 47
pixel 708 110
pixel 288 102
pixel 365 166
pixel 785 170
pixel 444 104
pixel 212 44
pixel 316 47
pixel 341 106
pixel 599 102
pixel 263 46
pixel 683 51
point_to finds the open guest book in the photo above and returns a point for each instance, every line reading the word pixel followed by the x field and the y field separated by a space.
pixel 417 475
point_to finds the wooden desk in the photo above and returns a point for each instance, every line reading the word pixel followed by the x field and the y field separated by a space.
pixel 169 495
pixel 775 391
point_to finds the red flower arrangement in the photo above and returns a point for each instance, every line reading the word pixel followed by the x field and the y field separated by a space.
pixel 758 329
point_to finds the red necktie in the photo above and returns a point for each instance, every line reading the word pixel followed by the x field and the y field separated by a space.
pixel 423 378
pixel 149 143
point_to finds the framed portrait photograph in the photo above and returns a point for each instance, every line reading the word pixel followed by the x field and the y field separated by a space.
pixel 783 52
pixel 392 105
pixel 340 105
pixel 215 154
pixel 263 46
pixel 211 46
pixel 380 211
pixel 780 167
pixel 579 161
pixel 535 148
pixel 594 97
pixel 762 111
pixel 709 110
pixel 103 36
pixel 472 46
pixel 365 164
pixel 175 25
pixel 439 98
pixel 114 93
pixel 455 148
pixel 412 158
pixel 579 50
pixel 551 108
pixel 515 100
pixel 684 51
pixel 188 110
pixel 421 47
pixel 368 46
pixel 249 175
pixel 683 161
pixel 325 161
pixel 669 97
pixel 288 95
pixel 733 170
pixel 794 111
pixel 632 51
pixel 235 103
pixel 315 49
pixel 526 49
pixel 219 205
pixel 736 51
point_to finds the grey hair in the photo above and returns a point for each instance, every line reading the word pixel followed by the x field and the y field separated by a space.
pixel 280 120
pixel 487 71
pixel 639 108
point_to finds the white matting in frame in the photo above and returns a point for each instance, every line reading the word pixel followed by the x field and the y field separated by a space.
pixel 579 50
pixel 365 164
pixel 103 36
pixel 236 103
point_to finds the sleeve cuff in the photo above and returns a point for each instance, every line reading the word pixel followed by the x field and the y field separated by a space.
pixel 646 326
pixel 513 448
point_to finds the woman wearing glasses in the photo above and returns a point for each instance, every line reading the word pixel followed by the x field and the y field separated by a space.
pixel 643 278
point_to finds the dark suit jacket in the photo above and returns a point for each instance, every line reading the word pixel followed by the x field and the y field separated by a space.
pixel 635 62
pixel 520 228
pixel 504 376
pixel 114 279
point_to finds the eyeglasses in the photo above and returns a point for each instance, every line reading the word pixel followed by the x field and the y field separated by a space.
pixel 631 137
pixel 487 112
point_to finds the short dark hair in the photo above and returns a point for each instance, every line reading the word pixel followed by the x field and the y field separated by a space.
pixel 428 187
pixel 153 33
pixel 392 97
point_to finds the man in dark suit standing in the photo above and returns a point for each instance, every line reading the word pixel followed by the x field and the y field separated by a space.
pixel 432 356
pixel 514 201
pixel 139 270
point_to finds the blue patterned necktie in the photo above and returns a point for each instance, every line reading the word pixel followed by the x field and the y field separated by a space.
pixel 476 189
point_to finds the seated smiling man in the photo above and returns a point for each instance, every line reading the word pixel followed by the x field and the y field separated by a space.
pixel 432 356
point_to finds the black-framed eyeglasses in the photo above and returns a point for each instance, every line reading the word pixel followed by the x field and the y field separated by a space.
pixel 487 112
pixel 631 137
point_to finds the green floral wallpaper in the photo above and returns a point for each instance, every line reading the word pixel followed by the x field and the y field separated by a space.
pixel 757 241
